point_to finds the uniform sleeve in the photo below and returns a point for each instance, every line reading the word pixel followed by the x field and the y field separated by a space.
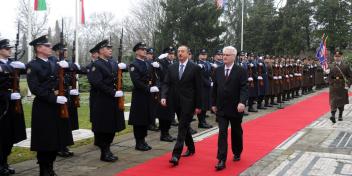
pixel 137 81
pixel 95 78
pixel 214 89
pixel 39 90
pixel 165 84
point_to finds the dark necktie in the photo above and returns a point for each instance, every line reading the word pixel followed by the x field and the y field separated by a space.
pixel 180 73
pixel 227 73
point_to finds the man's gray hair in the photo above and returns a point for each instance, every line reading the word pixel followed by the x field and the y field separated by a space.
pixel 232 49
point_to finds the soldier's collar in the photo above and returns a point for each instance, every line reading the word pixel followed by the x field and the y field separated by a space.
pixel 43 59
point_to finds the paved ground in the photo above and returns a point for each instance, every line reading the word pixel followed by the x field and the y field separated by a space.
pixel 320 149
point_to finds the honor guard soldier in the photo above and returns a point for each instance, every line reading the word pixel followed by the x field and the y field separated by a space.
pixel 339 77
pixel 166 114
pixel 154 79
pixel 69 92
pixel 106 117
pixel 140 108
pixel 252 82
pixel 12 126
pixel 319 76
pixel 269 96
pixel 206 87
pixel 263 82
pixel 47 136
pixel 218 58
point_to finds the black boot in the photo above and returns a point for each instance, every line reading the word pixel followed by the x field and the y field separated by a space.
pixel 341 113
pixel 106 155
pixel 332 118
pixel 51 170
pixel 166 137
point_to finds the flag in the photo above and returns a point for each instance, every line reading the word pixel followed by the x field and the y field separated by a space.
pixel 39 5
pixel 322 53
pixel 81 10
pixel 220 3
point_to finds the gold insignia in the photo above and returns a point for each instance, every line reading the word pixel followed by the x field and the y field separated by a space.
pixel 28 71
pixel 93 69
pixel 132 68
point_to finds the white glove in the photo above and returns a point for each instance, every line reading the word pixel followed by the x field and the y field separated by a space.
pixel 122 66
pixel 15 96
pixel 61 99
pixel 260 77
pixel 280 77
pixel 252 65
pixel 260 64
pixel 74 92
pixel 250 79
pixel 291 75
pixel 78 66
pixel 286 76
pixel 211 84
pixel 155 64
pixel 163 56
pixel 200 65
pixel 214 65
pixel 17 64
pixel 154 89
pixel 119 93
pixel 275 78
pixel 280 66
pixel 63 64
pixel 327 71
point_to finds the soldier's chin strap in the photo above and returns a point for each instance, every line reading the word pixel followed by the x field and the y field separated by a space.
pixel 6 109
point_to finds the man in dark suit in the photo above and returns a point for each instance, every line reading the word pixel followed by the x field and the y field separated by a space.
pixel 181 91
pixel 230 93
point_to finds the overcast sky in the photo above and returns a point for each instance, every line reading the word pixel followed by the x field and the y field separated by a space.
pixel 63 8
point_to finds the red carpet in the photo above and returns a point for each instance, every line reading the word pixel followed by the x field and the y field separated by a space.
pixel 261 136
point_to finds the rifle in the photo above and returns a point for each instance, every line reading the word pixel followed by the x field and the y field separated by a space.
pixel 74 81
pixel 63 107
pixel 16 74
pixel 120 100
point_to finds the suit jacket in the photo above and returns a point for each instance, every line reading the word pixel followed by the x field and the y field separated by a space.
pixel 184 94
pixel 228 93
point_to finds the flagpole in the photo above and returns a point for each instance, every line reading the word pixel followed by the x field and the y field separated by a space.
pixel 76 37
pixel 242 26
pixel 29 39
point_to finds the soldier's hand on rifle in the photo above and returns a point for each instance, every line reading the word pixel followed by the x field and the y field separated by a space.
pixel 155 64
pixel 122 66
pixel 327 71
pixel 154 89
pixel 214 65
pixel 163 102
pixel 74 92
pixel 18 65
pixel 119 93
pixel 250 79
pixel 63 64
pixel 15 96
pixel 61 99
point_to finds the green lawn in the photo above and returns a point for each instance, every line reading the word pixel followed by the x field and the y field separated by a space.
pixel 20 154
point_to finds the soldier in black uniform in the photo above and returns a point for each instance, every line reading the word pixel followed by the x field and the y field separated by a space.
pixel 206 87
pixel 166 114
pixel 48 135
pixel 140 107
pixel 12 126
pixel 150 58
pixel 69 92
pixel 106 117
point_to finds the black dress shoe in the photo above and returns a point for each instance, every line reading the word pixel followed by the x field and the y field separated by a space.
pixel 147 146
pixel 63 154
pixel 236 157
pixel 333 120
pixel 108 157
pixel 166 138
pixel 245 114
pixel 10 169
pixel 340 119
pixel 273 104
pixel 193 131
pixel 252 110
pixel 188 153
pixel 261 107
pixel 268 106
pixel 204 125
pixel 4 171
pixel 174 160
pixel 220 166
pixel 141 147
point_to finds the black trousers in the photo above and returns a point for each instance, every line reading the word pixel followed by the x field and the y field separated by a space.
pixel 46 157
pixel 184 134
pixel 164 126
pixel 103 139
pixel 5 151
pixel 236 136
pixel 140 132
